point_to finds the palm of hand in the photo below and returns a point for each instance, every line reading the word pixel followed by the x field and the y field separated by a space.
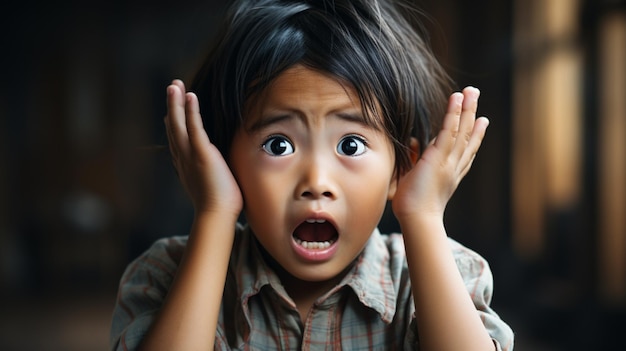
pixel 201 168
pixel 428 186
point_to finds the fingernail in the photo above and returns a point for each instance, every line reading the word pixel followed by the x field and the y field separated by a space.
pixel 458 98
pixel 474 89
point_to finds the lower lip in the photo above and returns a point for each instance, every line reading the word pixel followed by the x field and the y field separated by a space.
pixel 314 255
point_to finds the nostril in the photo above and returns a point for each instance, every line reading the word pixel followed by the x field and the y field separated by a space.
pixel 310 194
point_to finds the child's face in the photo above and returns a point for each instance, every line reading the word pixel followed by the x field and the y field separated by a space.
pixel 315 178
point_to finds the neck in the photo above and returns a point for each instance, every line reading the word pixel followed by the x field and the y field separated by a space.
pixel 304 293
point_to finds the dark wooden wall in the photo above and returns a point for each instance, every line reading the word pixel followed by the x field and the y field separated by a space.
pixel 83 190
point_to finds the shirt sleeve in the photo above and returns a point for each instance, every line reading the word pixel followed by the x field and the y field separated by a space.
pixel 142 290
pixel 479 283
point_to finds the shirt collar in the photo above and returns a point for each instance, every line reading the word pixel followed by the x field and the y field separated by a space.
pixel 369 278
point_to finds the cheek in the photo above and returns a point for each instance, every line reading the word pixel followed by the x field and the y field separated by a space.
pixel 264 186
pixel 369 190
pixel 367 196
pixel 374 175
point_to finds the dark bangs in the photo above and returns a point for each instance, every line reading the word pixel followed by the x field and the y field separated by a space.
pixel 350 40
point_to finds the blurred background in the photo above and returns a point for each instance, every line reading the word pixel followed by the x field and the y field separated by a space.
pixel 83 190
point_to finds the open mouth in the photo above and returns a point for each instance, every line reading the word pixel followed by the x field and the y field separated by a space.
pixel 315 234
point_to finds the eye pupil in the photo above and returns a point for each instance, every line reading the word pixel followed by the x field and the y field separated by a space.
pixel 278 147
pixel 349 147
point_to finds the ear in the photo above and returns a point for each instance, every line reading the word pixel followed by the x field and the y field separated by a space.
pixel 415 150
pixel 414 155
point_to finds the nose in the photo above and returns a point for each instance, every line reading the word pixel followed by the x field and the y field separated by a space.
pixel 316 180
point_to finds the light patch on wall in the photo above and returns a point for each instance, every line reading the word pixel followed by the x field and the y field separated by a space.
pixel 547 117
pixel 612 156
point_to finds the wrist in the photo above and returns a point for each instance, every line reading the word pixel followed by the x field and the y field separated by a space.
pixel 212 230
pixel 222 209
pixel 416 217
pixel 418 210
pixel 225 213
pixel 421 223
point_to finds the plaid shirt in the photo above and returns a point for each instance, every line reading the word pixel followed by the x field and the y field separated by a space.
pixel 371 309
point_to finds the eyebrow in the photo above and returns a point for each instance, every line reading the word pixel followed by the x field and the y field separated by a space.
pixel 356 117
pixel 265 121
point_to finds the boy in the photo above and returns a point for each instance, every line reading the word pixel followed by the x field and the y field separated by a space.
pixel 317 113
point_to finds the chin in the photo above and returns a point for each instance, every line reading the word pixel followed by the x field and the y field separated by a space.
pixel 318 274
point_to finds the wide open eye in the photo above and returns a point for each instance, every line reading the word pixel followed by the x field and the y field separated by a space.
pixel 278 146
pixel 351 145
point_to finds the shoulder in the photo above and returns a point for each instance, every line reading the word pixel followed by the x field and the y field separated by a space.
pixel 469 262
pixel 170 247
pixel 142 289
pixel 156 266
pixel 165 251
pixel 169 250
pixel 471 265
pixel 393 243
pixel 387 250
pixel 464 256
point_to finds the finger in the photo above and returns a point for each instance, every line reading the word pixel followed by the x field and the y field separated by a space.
pixel 446 137
pixel 198 137
pixel 170 141
pixel 476 139
pixel 180 84
pixel 168 124
pixel 176 118
pixel 467 119
pixel 466 170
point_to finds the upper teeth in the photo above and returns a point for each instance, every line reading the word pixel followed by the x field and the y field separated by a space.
pixel 315 220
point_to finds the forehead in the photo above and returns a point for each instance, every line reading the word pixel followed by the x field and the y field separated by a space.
pixel 298 82
pixel 308 91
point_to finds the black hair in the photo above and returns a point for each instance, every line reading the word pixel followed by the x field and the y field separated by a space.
pixel 371 45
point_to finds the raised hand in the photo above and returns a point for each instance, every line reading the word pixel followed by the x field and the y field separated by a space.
pixel 428 186
pixel 442 302
pixel 201 168
pixel 189 314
